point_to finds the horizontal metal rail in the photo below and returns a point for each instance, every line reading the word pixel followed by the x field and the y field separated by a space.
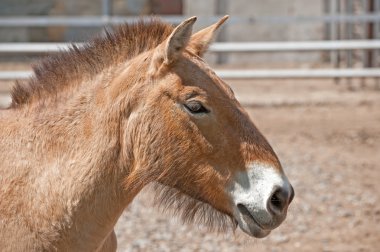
pixel 99 21
pixel 299 73
pixel 219 47
pixel 15 75
pixel 33 47
pixel 256 74
pixel 295 46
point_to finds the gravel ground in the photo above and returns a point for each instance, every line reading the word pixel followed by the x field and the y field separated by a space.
pixel 328 139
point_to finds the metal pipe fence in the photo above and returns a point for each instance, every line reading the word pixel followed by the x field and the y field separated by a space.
pixel 257 74
pixel 234 47
pixel 336 15
pixel 100 21
pixel 16 48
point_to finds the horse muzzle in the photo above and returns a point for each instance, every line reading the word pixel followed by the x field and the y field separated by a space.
pixel 261 197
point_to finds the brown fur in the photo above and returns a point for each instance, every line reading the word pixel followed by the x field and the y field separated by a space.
pixel 97 124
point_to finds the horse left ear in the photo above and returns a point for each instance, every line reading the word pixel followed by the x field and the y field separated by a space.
pixel 169 50
pixel 200 41
pixel 178 40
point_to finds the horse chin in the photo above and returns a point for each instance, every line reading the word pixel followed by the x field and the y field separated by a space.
pixel 254 231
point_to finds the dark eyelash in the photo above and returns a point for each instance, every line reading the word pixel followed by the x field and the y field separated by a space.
pixel 195 107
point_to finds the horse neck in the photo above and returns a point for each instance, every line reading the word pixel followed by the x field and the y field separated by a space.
pixel 75 164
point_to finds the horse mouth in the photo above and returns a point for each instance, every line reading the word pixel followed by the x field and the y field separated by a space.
pixel 244 211
pixel 249 224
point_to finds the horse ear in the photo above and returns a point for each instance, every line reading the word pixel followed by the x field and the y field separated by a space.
pixel 178 40
pixel 201 40
pixel 169 50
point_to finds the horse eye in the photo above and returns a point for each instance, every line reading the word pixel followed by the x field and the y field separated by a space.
pixel 195 107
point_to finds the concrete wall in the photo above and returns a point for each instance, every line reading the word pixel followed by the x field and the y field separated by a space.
pixel 240 32
pixel 74 8
pixel 276 32
pixel 20 8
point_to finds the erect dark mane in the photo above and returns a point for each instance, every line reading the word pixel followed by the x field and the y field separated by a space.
pixel 69 67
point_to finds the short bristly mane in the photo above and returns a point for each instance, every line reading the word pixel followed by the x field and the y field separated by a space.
pixel 78 63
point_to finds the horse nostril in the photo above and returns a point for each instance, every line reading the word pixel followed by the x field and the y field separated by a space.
pixel 278 201
pixel 275 201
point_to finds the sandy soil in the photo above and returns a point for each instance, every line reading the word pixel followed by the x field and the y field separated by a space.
pixel 328 139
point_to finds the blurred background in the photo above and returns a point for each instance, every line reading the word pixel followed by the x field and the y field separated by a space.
pixel 306 71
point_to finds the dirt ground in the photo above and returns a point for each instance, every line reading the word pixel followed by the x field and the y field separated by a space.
pixel 328 139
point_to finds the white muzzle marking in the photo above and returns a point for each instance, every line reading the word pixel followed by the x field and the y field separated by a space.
pixel 251 191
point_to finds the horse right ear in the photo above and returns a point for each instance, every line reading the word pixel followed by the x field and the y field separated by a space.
pixel 169 50
pixel 201 40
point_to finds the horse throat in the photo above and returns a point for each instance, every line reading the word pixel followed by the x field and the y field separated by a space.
pixel 73 178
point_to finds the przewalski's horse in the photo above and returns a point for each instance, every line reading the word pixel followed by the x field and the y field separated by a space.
pixel 96 124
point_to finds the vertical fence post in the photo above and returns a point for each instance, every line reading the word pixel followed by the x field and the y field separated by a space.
pixel 376 53
pixel 334 54
pixel 221 9
pixel 370 32
pixel 377 33
pixel 332 9
pixel 365 28
pixel 349 32
pixel 349 10
pixel 106 11
pixel 328 27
